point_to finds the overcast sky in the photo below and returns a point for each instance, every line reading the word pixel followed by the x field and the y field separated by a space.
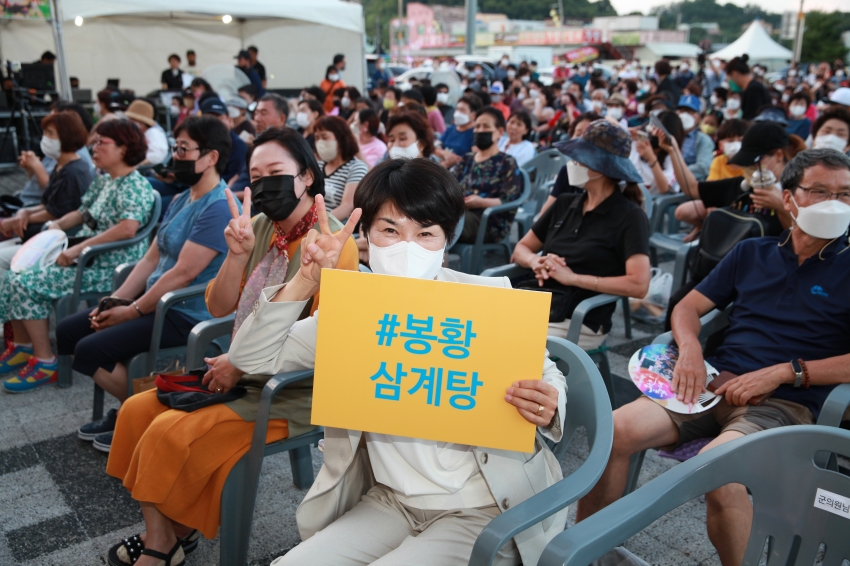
pixel 626 6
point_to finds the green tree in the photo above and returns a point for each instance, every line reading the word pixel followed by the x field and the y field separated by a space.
pixel 822 36
pixel 729 17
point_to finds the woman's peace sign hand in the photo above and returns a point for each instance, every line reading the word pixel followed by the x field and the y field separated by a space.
pixel 321 250
pixel 239 233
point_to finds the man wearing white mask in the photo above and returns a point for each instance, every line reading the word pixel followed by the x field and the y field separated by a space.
pixel 787 337
pixel 697 148
pixel 430 499
pixel 832 130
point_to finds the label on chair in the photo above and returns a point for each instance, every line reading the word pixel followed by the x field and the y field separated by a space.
pixel 833 503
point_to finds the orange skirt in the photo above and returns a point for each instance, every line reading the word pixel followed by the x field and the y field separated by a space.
pixel 179 461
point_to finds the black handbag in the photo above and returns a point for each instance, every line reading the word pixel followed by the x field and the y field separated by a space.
pixel 722 230
pixel 562 299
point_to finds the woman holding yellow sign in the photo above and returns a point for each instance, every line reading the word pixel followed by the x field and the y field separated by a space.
pixel 430 499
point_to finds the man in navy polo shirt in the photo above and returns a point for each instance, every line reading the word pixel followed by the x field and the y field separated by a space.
pixel 789 333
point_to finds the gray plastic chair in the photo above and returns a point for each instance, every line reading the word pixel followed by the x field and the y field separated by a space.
pixel 831 414
pixel 472 255
pixel 542 169
pixel 69 304
pixel 587 407
pixel 665 239
pixel 599 355
pixel 783 503
pixel 240 489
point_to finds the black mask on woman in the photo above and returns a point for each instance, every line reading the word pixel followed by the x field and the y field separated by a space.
pixel 483 140
pixel 184 172
pixel 275 196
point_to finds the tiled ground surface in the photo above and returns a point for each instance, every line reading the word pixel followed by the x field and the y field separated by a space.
pixel 58 507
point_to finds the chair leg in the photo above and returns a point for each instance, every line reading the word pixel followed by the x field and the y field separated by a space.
pixel 97 408
pixel 635 464
pixel 65 373
pixel 627 317
pixel 301 461
pixel 237 510
pixel 601 361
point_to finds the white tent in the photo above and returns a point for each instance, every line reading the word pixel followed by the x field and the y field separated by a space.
pixel 756 43
pixel 131 39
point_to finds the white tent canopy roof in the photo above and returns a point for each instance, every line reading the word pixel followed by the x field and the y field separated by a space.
pixel 334 13
pixel 756 43
pixel 674 50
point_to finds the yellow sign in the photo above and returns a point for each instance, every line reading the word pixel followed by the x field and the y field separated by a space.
pixel 427 359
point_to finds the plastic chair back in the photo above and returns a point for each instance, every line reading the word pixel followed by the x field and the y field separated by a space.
pixel 788 508
pixel 544 167
pixel 587 407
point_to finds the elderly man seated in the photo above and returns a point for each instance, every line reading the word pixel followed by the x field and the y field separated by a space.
pixel 789 334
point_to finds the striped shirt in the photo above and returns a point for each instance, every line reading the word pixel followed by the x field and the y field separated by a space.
pixel 351 172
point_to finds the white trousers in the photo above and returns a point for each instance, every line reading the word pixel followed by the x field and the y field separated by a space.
pixel 382 531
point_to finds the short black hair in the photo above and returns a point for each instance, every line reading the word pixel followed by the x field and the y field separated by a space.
pixel 190 52
pixel 419 188
pixel 253 49
pixel 66 106
pixel 317 92
pixel 48 55
pixel 442 85
pixel 338 57
pixel 249 90
pixel 174 56
pixel 210 134
pixel 413 94
pixel 834 113
pixel 297 147
pixel 429 95
pixel 198 81
pixel 472 100
pixel 732 128
pixel 738 65
pixel 280 103
pixel 524 117
pixel 494 113
pixel 313 105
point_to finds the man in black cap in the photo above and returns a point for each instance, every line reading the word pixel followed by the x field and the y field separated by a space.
pixel 259 67
pixel 243 63
pixel 213 106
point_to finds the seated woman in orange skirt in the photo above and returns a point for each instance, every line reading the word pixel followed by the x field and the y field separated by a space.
pixel 175 463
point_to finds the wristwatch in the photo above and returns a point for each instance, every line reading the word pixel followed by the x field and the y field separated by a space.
pixel 798 373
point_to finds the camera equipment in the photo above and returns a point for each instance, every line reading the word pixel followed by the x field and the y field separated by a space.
pixel 23 96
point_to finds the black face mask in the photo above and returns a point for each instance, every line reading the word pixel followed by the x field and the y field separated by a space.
pixel 184 172
pixel 275 196
pixel 483 140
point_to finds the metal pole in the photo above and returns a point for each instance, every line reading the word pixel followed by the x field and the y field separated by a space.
pixel 59 41
pixel 798 37
pixel 364 74
pixel 471 9
pixel 561 23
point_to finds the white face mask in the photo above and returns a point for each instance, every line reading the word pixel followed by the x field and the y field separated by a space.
pixel 597 104
pixel 345 102
pixel 786 97
pixel 730 148
pixel 534 93
pixel 792 72
pixel 511 74
pixel 302 119
pixel 688 121
pixel 641 108
pixel 51 147
pixel 797 110
pixel 615 112
pixel 826 220
pixel 333 77
pixel 406 259
pixel 175 110
pixel 713 99
pixel 656 112
pixel 828 141
pixel 327 149
pixel 461 119
pixel 443 97
pixel 577 174
pixel 409 152
pixel 232 111
pixel 733 104
pixel 525 79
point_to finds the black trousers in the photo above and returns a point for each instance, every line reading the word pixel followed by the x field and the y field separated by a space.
pixel 93 350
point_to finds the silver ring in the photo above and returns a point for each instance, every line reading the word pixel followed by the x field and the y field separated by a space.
pixel 219 390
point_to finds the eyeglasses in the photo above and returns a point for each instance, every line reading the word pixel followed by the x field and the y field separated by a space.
pixel 181 150
pixel 820 195
pixel 102 141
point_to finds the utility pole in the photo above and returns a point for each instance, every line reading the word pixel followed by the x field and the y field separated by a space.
pixel 798 36
pixel 471 9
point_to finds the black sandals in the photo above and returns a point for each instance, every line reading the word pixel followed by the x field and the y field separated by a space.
pixel 129 550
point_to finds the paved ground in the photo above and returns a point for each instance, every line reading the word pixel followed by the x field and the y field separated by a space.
pixel 57 505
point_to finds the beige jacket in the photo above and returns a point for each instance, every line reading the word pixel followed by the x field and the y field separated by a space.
pixel 272 340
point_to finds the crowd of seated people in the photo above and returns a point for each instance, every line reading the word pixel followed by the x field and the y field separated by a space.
pixel 261 193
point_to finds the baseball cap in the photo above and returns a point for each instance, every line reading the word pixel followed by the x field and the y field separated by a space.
pixel 691 102
pixel 772 114
pixel 840 96
pixel 244 54
pixel 213 105
pixel 497 88
pixel 759 139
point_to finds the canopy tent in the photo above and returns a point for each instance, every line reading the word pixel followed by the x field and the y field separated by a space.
pixel 655 51
pixel 132 40
pixel 756 43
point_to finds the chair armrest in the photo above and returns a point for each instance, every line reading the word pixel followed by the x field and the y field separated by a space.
pixel 836 404
pixel 121 273
pixel 202 336
pixel 711 323
pixel 509 270
pixel 167 301
pixel 87 256
pixel 584 307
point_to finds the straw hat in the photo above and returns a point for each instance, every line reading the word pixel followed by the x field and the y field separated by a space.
pixel 141 111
